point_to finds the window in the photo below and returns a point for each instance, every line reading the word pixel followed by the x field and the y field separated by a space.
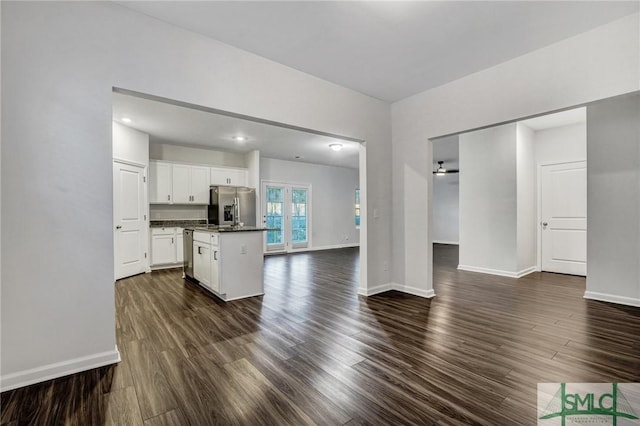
pixel 357 208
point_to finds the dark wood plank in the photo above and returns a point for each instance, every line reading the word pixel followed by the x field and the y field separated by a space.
pixel 170 418
pixel 122 408
pixel 311 351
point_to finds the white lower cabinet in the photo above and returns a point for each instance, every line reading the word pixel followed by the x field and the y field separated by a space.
pixel 215 263
pixel 179 245
pixel 202 258
pixel 166 247
pixel 163 249
pixel 229 264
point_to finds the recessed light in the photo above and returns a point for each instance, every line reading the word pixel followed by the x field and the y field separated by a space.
pixel 239 138
pixel 336 146
pixel 126 120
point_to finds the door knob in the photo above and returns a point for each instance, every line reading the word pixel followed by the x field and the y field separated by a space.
pixel 544 224
pixel 119 227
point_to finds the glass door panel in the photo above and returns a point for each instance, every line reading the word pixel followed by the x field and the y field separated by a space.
pixel 286 213
pixel 299 219
pixel 275 217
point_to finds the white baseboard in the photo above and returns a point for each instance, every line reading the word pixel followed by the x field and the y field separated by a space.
pixel 58 369
pixel 330 247
pixel 300 250
pixel 452 243
pixel 399 287
pixel 414 290
pixel 612 298
pixel 169 266
pixel 499 272
pixel 527 271
pixel 375 290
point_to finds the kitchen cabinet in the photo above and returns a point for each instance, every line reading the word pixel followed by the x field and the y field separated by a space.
pixel 160 182
pixel 202 258
pixel 179 246
pixel 178 183
pixel 166 247
pixel 229 176
pixel 229 263
pixel 190 184
pixel 163 250
pixel 215 263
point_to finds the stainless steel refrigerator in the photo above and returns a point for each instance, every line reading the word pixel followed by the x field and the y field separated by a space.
pixel 231 206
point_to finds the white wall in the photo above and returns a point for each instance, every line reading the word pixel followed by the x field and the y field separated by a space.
pixel 561 144
pixel 130 145
pixel 527 199
pixel 594 65
pixel 445 193
pixel 60 61
pixel 488 209
pixel 252 159
pixel 158 151
pixel 333 198
pixel 613 202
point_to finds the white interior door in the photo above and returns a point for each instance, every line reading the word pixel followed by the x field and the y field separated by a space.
pixel 286 213
pixel 564 218
pixel 130 219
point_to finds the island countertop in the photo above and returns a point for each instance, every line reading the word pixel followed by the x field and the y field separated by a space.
pixel 213 228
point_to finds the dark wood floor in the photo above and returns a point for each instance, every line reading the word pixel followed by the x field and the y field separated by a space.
pixel 312 351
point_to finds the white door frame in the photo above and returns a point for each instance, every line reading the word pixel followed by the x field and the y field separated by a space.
pixel 539 207
pixel 145 203
pixel 287 204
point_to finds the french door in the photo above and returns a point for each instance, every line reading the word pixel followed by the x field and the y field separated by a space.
pixel 286 213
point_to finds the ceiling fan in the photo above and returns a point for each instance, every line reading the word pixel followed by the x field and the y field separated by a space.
pixel 441 171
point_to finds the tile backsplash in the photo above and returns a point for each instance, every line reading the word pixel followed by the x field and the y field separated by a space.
pixel 176 212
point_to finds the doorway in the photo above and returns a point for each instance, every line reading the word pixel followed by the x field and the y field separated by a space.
pixel 563 218
pixel 522 196
pixel 286 212
pixel 129 212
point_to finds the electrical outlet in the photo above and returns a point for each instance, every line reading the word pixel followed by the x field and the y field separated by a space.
pixel 385 266
pixel 346 237
pixel 243 249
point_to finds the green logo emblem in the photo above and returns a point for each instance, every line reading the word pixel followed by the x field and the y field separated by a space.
pixel 588 403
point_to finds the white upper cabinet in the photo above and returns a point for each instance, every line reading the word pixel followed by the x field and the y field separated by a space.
pixel 229 177
pixel 160 182
pixel 190 184
pixel 200 184
pixel 176 183
pixel 181 184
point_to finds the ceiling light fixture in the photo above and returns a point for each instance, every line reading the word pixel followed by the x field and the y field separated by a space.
pixel 441 171
pixel 126 120
pixel 336 146
pixel 239 138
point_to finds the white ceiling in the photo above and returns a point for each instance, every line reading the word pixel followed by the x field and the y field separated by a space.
pixel 558 119
pixel 387 49
pixel 178 125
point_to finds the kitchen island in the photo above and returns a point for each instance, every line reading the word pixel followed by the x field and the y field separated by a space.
pixel 226 261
